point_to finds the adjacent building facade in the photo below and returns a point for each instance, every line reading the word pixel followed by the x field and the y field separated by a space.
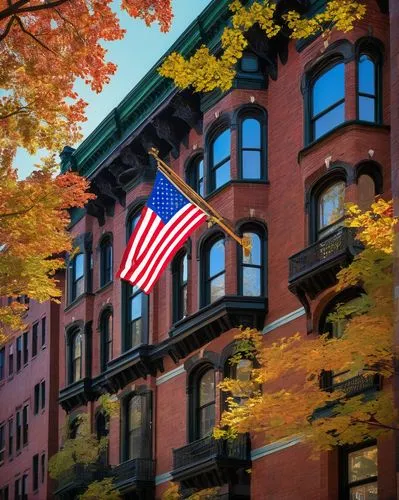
pixel 305 129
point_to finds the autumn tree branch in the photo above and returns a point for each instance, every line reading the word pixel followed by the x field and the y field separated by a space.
pixel 19 21
pixel 18 8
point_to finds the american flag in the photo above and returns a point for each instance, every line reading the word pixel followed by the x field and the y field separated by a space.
pixel 166 221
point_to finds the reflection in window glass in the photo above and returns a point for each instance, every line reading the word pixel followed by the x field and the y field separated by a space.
pixel 362 468
pixel 77 276
pixel 216 271
pixel 76 357
pixel 220 162
pixel 206 403
pixel 331 208
pixel 196 176
pixel 252 267
pixel 134 427
pixel 135 316
pixel 251 148
pixel 328 100
pixel 367 95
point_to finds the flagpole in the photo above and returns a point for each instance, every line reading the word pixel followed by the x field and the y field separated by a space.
pixel 213 215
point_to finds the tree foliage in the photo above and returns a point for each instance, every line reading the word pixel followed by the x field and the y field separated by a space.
pixel 173 493
pixel 101 490
pixel 291 401
pixel 205 72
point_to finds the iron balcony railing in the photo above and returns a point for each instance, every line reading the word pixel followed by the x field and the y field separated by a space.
pixel 81 475
pixel 336 244
pixel 358 384
pixel 137 469
pixel 210 448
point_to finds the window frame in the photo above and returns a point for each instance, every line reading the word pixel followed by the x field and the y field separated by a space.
pixel 19 349
pixel 372 48
pixel 72 336
pixel 43 327
pixel 344 453
pixel 145 440
pixel 35 338
pixel 35 472
pixel 18 430
pixel 206 279
pixel 261 116
pixel 194 427
pixel 25 425
pixel 192 175
pixel 73 289
pixel 179 285
pixel 25 343
pixel 10 437
pixel 261 231
pixel 106 338
pixel 211 167
pixel 106 268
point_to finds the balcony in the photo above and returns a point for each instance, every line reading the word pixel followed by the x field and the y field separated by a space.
pixel 76 394
pixel 358 384
pixel 315 268
pixel 207 463
pixel 135 475
pixel 76 479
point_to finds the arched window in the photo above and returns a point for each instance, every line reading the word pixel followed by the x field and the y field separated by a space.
pixel 330 209
pixel 252 145
pixel 366 88
pixel 204 403
pixel 327 100
pixel 195 175
pixel 137 426
pixel 136 304
pixel 77 276
pixel 180 280
pixel 106 333
pixel 366 191
pixel 252 279
pixel 75 360
pixel 239 371
pixel 105 261
pixel 134 421
pixel 214 270
pixel 220 160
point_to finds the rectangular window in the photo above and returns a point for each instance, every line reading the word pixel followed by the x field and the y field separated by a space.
pixel 19 353
pixel 43 467
pixel 4 493
pixel 26 349
pixel 2 363
pixel 2 442
pixel 25 425
pixel 35 333
pixel 36 399
pixel 10 359
pixel 43 331
pixel 361 467
pixel 10 437
pixel 18 489
pixel 35 467
pixel 25 487
pixel 18 429
pixel 42 394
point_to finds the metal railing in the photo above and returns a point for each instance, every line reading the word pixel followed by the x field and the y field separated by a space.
pixel 357 384
pixel 81 475
pixel 137 469
pixel 208 447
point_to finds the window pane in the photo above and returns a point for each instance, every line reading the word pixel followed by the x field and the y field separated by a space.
pixel 207 388
pixel 365 492
pixel 362 464
pixel 135 305
pixel 222 175
pixel 77 346
pixel 136 328
pixel 366 108
pixel 366 75
pixel 79 266
pixel 251 164
pixel 200 169
pixel 251 286
pixel 133 222
pixel 184 269
pixel 366 190
pixel 249 64
pixel 251 133
pixel 201 187
pixel 243 370
pixel 79 286
pixel 217 288
pixel 221 147
pixel 255 256
pixel 207 420
pixel 329 88
pixel 216 258
pixel 330 120
pixel 331 204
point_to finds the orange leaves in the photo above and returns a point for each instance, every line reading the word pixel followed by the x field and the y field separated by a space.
pixel 150 11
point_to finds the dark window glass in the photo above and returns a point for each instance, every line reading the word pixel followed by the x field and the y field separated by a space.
pixel 36 399
pixel 249 63
pixel 18 489
pixel 25 487
pixel 76 357
pixel 43 394
pixel 106 339
pixel 206 403
pixel 10 359
pixel 134 422
pixel 135 316
pixel 106 262
pixel 10 437
pixel 328 100
pixel 18 426
pixel 180 287
pixel 196 176
pixel 330 209
pixel 43 467
pixel 43 331
pixel 220 160
pixel 78 274
pixel 4 493
pixel 35 331
pixel 2 363
pixel 35 467
pixel 252 267
pixel 362 467
pixel 26 351
pixel 251 148
pixel 367 94
pixel 2 442
pixel 132 223
pixel 102 430
pixel 215 271
pixel 19 353
pixel 25 425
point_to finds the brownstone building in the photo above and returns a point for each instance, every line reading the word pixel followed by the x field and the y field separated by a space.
pixel 304 129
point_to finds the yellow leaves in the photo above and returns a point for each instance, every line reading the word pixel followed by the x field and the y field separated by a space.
pixel 205 72
pixel 101 490
pixel 173 493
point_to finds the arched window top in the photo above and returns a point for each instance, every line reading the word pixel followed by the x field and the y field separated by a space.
pixel 195 175
pixel 252 142
pixel 133 216
pixel 373 170
pixel 327 100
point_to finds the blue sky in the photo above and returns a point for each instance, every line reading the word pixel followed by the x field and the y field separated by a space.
pixel 134 55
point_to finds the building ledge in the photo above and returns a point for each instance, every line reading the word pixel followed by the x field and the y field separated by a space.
pixel 76 394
